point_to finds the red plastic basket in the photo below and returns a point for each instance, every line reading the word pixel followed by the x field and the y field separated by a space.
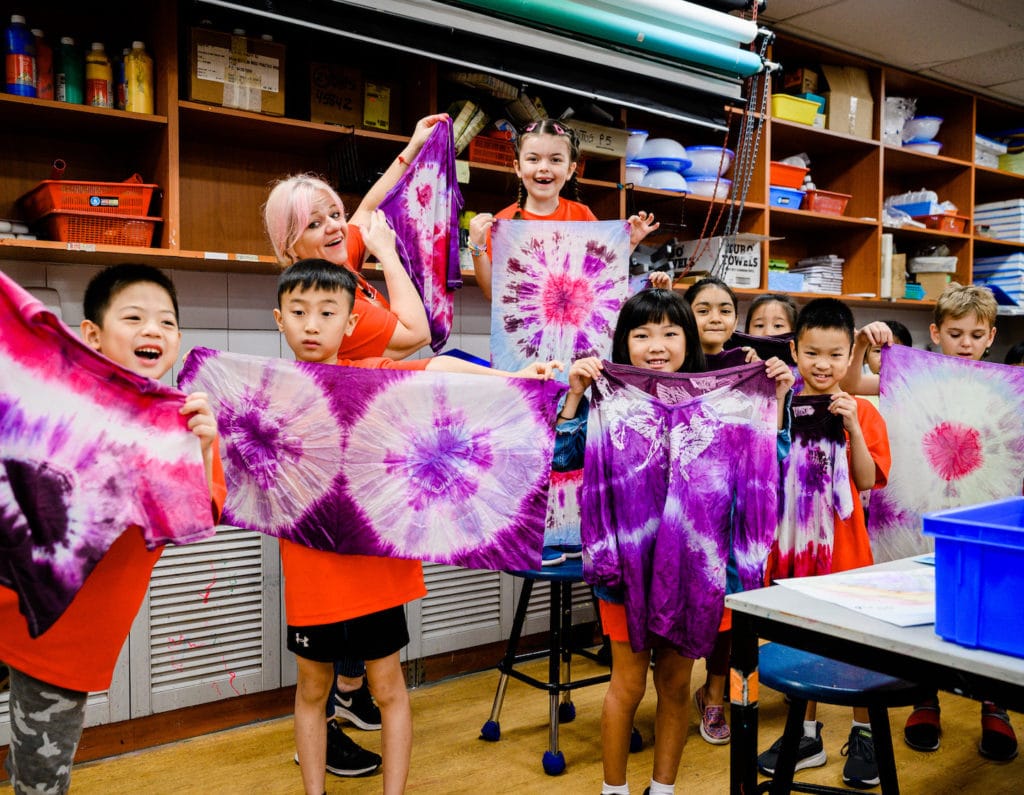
pixel 495 151
pixel 112 198
pixel 944 223
pixel 823 201
pixel 114 230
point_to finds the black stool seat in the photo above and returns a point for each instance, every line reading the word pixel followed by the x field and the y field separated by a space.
pixel 804 677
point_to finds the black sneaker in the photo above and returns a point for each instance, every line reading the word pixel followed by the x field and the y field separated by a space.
pixel 861 768
pixel 810 753
pixel 357 708
pixel 345 757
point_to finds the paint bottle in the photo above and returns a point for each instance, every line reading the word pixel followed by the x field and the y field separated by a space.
pixel 21 58
pixel 44 66
pixel 99 78
pixel 138 70
pixel 117 66
pixel 69 72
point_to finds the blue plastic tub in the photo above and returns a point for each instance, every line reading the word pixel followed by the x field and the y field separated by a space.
pixel 786 197
pixel 979 575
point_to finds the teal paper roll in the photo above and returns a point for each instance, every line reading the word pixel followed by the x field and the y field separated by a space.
pixel 682 16
pixel 603 25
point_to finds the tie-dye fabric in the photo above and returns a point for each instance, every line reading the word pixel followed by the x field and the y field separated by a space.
pixel 88 449
pixel 443 467
pixel 957 439
pixel 665 494
pixel 764 347
pixel 423 209
pixel 557 289
pixel 815 487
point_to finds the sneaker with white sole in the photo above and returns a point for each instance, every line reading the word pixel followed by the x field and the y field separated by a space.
pixel 345 757
pixel 713 726
pixel 358 708
pixel 810 753
pixel 861 768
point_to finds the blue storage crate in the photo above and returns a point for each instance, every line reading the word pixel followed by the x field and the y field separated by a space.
pixel 786 197
pixel 979 574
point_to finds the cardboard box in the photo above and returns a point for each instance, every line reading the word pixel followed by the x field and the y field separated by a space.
pixel 740 256
pixel 335 94
pixel 800 81
pixel 850 106
pixel 599 141
pixel 236 72
pixel 933 284
pixel 377 106
pixel 899 275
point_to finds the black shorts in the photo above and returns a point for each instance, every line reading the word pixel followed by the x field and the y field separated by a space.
pixel 365 638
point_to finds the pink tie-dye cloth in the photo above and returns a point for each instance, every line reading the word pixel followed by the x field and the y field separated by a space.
pixel 423 209
pixel 444 467
pixel 88 449
pixel 956 430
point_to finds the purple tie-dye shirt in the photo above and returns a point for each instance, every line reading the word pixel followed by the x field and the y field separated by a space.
pixel 87 450
pixel 444 467
pixel 673 461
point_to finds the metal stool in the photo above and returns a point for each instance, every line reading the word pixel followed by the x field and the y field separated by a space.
pixel 559 684
pixel 808 677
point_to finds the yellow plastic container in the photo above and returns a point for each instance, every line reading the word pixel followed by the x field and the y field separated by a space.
pixel 138 72
pixel 793 109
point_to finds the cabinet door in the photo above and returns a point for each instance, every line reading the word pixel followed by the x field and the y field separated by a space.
pixel 210 628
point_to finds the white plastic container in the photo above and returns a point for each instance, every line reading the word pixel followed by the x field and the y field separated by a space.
pixel 665 179
pixel 636 140
pixel 706 186
pixel 932 265
pixel 924 147
pixel 921 129
pixel 635 172
pixel 707 161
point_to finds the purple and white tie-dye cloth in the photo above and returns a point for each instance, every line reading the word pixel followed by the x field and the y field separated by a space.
pixel 87 450
pixel 815 487
pixel 443 467
pixel 957 438
pixel 664 486
pixel 423 209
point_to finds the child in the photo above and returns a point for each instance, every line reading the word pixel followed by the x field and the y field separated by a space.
pixel 714 308
pixel 901 336
pixel 771 314
pixel 547 156
pixel 1015 355
pixel 655 331
pixel 963 325
pixel 823 350
pixel 348 606
pixel 131 317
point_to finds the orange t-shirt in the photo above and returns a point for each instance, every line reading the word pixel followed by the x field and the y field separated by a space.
pixel 376 324
pixel 326 587
pixel 568 210
pixel 80 650
pixel 851 547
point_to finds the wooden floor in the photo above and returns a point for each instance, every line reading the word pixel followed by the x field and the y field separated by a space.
pixel 448 757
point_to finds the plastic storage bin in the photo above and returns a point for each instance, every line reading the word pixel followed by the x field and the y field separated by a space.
pixel 979 574
pixel 792 108
pixel 944 223
pixel 495 151
pixel 786 197
pixel 786 176
pixel 114 198
pixel 114 230
pixel 823 201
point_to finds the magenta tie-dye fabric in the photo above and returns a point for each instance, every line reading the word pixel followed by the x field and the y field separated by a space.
pixel 557 288
pixel 443 467
pixel 815 487
pixel 88 450
pixel 957 438
pixel 664 483
pixel 423 209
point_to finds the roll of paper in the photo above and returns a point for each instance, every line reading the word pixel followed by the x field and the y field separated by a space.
pixel 686 17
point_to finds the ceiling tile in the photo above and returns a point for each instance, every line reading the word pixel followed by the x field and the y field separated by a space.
pixel 1006 10
pixel 784 9
pixel 987 69
pixel 1012 92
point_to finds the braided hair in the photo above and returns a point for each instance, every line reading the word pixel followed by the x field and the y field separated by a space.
pixel 560 129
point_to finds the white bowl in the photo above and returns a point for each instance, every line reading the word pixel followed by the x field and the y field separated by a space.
pixel 635 172
pixel 705 186
pixel 664 179
pixel 925 147
pixel 920 129
pixel 707 161
pixel 635 142
pixel 662 149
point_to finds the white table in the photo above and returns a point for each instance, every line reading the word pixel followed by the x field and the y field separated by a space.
pixel 913 653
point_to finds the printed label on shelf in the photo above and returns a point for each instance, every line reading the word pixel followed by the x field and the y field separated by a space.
pixel 81 247
pixel 215 255
pixel 247 257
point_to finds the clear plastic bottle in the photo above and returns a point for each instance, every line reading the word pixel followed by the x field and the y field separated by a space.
pixel 44 66
pixel 99 78
pixel 138 70
pixel 69 72
pixel 21 58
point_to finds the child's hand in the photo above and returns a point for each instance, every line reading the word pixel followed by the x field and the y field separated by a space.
pixel 422 132
pixel 845 406
pixel 540 371
pixel 751 354
pixel 781 374
pixel 202 422
pixel 876 334
pixel 379 237
pixel 582 374
pixel 640 226
pixel 660 280
pixel 479 227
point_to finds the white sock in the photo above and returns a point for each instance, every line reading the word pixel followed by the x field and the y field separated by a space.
pixel 857 723
pixel 811 729
pixel 614 789
pixel 657 788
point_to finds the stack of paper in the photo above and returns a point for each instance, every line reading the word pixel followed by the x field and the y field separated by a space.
pixel 821 274
pixel 1005 220
pixel 1005 271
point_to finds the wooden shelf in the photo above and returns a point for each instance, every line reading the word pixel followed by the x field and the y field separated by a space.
pixel 808 220
pixel 24 114
pixel 902 161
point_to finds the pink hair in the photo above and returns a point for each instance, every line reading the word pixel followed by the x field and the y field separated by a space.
pixel 288 208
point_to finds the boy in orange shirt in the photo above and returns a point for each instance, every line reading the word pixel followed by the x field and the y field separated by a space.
pixel 348 606
pixel 131 317
pixel 822 348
